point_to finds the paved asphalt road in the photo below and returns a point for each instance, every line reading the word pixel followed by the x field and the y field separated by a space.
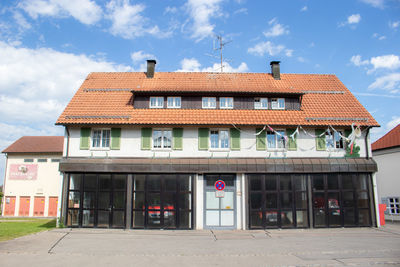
pixel 311 247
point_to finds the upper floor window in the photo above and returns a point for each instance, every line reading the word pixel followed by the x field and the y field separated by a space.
pixel 219 139
pixel 394 205
pixel 278 103
pixel 276 140
pixel 28 160
pixel 42 160
pixel 209 102
pixel 226 102
pixel 333 140
pixel 101 138
pixel 260 103
pixel 174 102
pixel 156 102
pixel 162 139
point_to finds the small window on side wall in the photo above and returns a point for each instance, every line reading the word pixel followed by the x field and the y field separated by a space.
pixel 260 103
pixel 101 138
pixel 226 102
pixel 156 102
pixel 278 103
pixel 334 140
pixel 174 102
pixel 209 102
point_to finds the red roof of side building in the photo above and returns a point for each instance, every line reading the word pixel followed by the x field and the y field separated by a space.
pixel 37 144
pixel 106 98
pixel 391 139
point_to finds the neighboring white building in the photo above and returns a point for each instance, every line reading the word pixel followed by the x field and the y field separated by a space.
pixel 32 180
pixel 386 152
pixel 149 150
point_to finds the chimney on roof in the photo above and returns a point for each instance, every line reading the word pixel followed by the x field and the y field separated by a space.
pixel 275 70
pixel 151 65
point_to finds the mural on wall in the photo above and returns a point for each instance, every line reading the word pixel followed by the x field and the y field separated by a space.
pixel 23 172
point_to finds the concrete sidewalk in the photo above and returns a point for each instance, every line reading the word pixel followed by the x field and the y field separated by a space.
pixel 311 247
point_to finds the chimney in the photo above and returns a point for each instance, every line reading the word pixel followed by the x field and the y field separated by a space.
pixel 275 70
pixel 151 65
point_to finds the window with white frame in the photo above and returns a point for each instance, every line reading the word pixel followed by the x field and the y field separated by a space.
pixel 278 103
pixel 162 139
pixel 334 140
pixel 260 103
pixel 276 139
pixel 156 102
pixel 394 205
pixel 219 139
pixel 226 102
pixel 101 138
pixel 174 102
pixel 209 102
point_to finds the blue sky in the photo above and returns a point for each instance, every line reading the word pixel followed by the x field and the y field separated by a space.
pixel 47 48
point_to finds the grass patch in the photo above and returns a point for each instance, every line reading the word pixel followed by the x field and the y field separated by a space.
pixel 13 229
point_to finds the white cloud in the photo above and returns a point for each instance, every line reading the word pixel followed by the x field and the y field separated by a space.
pixel 378 36
pixel 172 10
pixel 240 11
pixel 269 48
pixel 389 82
pixel 139 60
pixel 127 20
pixel 21 21
pixel 277 29
pixel 201 12
pixel 193 65
pixel 354 19
pixel 356 60
pixel 394 24
pixel 85 11
pixel 387 61
pixel 393 123
pixel 377 133
pixel 304 8
pixel 374 3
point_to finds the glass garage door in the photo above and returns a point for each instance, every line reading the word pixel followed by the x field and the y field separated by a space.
pixel 277 201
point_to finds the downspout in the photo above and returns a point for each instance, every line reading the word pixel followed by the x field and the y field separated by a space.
pixel 67 152
pixel 366 142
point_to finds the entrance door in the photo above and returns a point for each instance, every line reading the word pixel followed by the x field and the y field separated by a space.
pixel 24 205
pixel 220 208
pixel 53 204
pixel 38 206
pixel 9 208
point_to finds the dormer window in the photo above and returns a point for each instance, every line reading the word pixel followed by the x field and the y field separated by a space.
pixel 278 103
pixel 174 102
pixel 156 102
pixel 209 102
pixel 260 103
pixel 226 102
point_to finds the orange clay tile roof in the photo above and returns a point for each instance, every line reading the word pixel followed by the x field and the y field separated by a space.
pixel 37 144
pixel 106 98
pixel 391 139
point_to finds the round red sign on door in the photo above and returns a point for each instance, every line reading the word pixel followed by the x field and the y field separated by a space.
pixel 219 185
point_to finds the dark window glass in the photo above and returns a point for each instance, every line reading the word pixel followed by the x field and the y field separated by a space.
pixel 348 199
pixel 211 179
pixel 119 200
pixel 286 201
pixel 89 200
pixel 103 218
pixel 335 218
pixel 185 201
pixel 349 217
pixel 90 182
pixel 185 183
pixel 255 184
pixel 362 199
pixel 169 200
pixel 300 183
pixel 169 219
pixel 333 201
pixel 138 219
pixel 104 200
pixel 74 200
pixel 319 200
pixel 119 182
pixel 88 218
pixel 185 219
pixel 271 201
pixel 154 201
pixel 347 182
pixel 75 181
pixel 154 219
pixel 139 183
pixel 361 182
pixel 138 200
pixel 118 219
pixel 73 218
pixel 170 183
pixel 301 200
pixel 319 218
pixel 256 219
pixel 302 218
pixel 318 182
pixel 154 183
pixel 364 217
pixel 287 218
pixel 333 182
pixel 256 200
pixel 271 218
pixel 286 182
pixel 105 181
pixel 270 183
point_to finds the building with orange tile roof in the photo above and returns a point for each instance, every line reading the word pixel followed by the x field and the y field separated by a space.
pixel 386 153
pixel 32 179
pixel 176 150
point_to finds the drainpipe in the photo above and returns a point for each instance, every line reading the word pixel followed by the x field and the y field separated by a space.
pixel 67 152
pixel 366 142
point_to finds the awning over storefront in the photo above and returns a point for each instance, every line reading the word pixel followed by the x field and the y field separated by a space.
pixel 218 165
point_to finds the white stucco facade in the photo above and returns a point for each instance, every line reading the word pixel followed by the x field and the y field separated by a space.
pixel 46 183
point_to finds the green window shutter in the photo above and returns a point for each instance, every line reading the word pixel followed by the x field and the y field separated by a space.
pixel 203 138
pixel 261 140
pixel 320 140
pixel 235 139
pixel 146 138
pixel 177 135
pixel 292 143
pixel 85 138
pixel 115 138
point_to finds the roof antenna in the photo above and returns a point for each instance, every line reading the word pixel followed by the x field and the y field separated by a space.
pixel 219 44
